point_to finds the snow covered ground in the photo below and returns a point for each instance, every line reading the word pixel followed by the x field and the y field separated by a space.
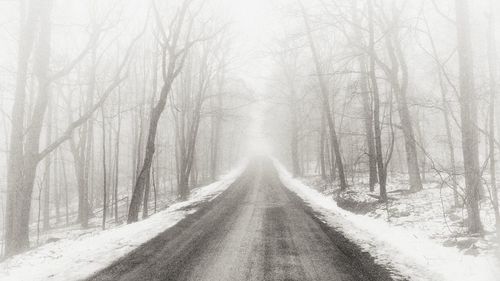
pixel 431 210
pixel 410 251
pixel 77 257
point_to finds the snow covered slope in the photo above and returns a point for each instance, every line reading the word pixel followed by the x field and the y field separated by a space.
pixel 414 256
pixel 77 258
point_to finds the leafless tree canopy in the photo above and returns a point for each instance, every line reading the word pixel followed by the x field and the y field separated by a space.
pixel 112 109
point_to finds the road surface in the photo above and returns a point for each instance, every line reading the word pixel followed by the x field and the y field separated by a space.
pixel 255 230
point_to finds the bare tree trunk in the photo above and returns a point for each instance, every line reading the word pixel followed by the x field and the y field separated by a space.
pixel 398 62
pixel 294 142
pixel 83 150
pixel 382 169
pixel 18 194
pixel 188 157
pixel 138 192
pixel 155 192
pixel 217 129
pixel 492 63
pixel 66 199
pixel 57 186
pixel 293 117
pixel 468 116
pixel 170 72
pixel 135 147
pixel 330 153
pixel 32 142
pixel 326 103
pixel 145 205
pixel 421 138
pixel 46 190
pixel 322 152
pixel 104 174
pixel 367 106
pixel 22 171
pixel 451 149
pixel 368 118
pixel 40 189
pixel 194 172
pixel 117 158
pixel 446 117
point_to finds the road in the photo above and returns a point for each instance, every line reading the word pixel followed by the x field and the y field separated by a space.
pixel 255 230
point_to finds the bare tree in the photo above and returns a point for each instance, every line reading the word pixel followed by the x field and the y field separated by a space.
pixel 400 87
pixel 468 116
pixel 492 65
pixel 25 154
pixel 382 167
pixel 191 95
pixel 217 104
pixel 367 103
pixel 174 53
pixel 446 112
pixel 325 101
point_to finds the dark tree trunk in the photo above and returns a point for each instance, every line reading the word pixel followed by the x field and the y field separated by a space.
pixel 104 173
pixel 335 146
pixel 143 177
pixel 145 204
pixel 117 159
pixel 170 70
pixel 322 150
pixel 382 168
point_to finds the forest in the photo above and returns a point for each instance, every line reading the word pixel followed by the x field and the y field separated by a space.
pixel 378 90
pixel 113 111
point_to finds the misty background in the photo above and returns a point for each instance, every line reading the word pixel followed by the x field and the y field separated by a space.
pixel 295 80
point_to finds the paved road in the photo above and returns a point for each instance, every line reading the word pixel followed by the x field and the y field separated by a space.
pixel 256 230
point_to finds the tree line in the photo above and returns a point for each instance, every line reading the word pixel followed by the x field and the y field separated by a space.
pixel 116 114
pixel 377 87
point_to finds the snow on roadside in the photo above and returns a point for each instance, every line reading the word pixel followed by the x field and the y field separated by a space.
pixel 413 255
pixel 77 258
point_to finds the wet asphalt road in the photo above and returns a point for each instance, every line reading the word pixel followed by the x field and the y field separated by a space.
pixel 256 230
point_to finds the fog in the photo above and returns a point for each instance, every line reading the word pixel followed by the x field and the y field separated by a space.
pixel 112 110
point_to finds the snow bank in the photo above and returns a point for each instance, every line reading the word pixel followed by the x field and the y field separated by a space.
pixel 74 259
pixel 413 255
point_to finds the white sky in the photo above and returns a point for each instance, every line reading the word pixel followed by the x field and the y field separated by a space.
pixel 257 24
pixel 254 24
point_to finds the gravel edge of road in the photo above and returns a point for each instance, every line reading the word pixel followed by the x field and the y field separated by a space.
pixel 364 260
pixel 202 208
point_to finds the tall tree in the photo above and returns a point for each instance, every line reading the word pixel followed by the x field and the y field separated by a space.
pixel 382 167
pixel 25 154
pixel 330 117
pixel 217 120
pixel 445 103
pixel 399 68
pixel 367 103
pixel 468 116
pixel 492 65
pixel 174 54
pixel 16 233
pixel 104 171
pixel 287 60
pixel 191 95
